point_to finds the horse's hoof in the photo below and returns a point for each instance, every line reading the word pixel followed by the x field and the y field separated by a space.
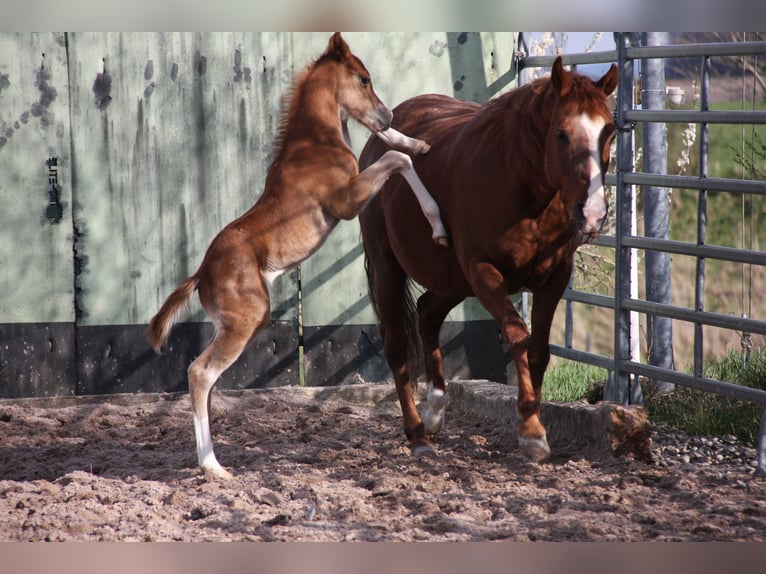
pixel 421 450
pixel 424 148
pixel 441 240
pixel 217 473
pixel 536 449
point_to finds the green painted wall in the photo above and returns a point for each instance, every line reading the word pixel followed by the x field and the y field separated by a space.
pixel 160 139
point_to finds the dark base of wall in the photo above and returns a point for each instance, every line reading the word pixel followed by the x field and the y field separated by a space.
pixel 60 359
pixel 354 353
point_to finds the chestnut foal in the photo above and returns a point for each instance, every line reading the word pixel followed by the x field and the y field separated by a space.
pixel 313 182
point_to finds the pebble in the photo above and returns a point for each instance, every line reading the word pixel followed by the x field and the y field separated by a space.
pixel 673 447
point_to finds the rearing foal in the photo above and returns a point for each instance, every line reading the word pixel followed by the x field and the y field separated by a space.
pixel 313 182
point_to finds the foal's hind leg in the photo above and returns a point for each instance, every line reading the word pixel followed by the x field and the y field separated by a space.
pixel 235 328
pixel 432 310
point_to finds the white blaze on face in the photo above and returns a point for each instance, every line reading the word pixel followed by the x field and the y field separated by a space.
pixel 594 209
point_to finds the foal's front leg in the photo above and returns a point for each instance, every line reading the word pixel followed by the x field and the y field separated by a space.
pixel 366 184
pixel 397 140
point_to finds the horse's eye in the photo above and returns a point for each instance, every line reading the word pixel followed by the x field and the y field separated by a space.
pixel 563 136
pixel 365 80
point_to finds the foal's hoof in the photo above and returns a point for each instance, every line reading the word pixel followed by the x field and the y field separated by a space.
pixel 423 148
pixel 424 449
pixel 536 449
pixel 442 240
pixel 217 473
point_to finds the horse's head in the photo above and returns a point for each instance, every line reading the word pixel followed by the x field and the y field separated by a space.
pixel 354 91
pixel 578 143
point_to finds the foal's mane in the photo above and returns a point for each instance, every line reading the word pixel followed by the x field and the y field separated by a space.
pixel 293 96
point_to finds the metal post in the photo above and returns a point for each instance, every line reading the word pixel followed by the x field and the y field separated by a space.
pixel 569 317
pixel 618 386
pixel 659 331
pixel 760 469
pixel 699 294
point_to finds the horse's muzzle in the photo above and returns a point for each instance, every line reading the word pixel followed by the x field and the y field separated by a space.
pixel 590 221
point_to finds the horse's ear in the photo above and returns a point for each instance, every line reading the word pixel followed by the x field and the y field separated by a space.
pixel 338 47
pixel 560 78
pixel 609 80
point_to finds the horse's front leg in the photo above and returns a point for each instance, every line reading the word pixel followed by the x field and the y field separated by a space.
pixel 489 286
pixel 362 187
pixel 545 300
pixel 398 141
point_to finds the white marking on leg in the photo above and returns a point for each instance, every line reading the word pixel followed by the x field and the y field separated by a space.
pixel 398 140
pixel 433 416
pixel 427 204
pixel 205 455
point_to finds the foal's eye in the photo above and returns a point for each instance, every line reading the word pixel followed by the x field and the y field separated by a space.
pixel 365 80
pixel 563 136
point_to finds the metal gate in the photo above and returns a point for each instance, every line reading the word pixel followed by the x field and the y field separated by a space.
pixel 625 369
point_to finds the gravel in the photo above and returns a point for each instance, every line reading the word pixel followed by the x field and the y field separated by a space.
pixel 674 448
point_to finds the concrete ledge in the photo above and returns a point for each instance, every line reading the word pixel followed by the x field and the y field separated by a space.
pixel 605 426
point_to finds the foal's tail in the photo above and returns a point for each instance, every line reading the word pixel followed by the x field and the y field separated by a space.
pixel 170 312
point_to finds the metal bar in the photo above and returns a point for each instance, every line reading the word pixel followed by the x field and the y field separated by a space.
pixel 603 57
pixel 701 317
pixel 697 50
pixel 709 251
pixel 582 357
pixel 699 290
pixel 568 317
pixel 698 116
pixel 760 468
pixel 588 298
pixel 648 52
pixel 618 387
pixel 659 330
pixel 692 182
pixel 722 388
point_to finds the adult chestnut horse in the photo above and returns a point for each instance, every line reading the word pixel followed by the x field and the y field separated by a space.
pixel 520 185
pixel 313 182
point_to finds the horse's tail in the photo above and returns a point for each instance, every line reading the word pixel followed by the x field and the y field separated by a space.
pixel 409 319
pixel 170 312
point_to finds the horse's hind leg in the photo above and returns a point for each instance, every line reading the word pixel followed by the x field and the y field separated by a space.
pixel 432 310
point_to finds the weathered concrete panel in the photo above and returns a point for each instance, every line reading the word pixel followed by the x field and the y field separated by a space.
pixel 35 186
pixel 172 139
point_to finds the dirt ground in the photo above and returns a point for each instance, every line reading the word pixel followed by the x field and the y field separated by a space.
pixel 309 468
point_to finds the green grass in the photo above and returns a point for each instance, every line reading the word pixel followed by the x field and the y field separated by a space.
pixel 568 381
pixel 700 413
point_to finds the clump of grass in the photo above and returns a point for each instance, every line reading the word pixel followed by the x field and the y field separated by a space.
pixel 569 381
pixel 700 413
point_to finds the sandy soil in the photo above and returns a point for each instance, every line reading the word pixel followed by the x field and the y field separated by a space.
pixel 308 469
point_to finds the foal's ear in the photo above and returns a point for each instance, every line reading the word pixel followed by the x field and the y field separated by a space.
pixel 609 80
pixel 560 78
pixel 338 47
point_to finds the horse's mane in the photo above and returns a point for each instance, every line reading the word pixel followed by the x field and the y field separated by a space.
pixel 516 119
